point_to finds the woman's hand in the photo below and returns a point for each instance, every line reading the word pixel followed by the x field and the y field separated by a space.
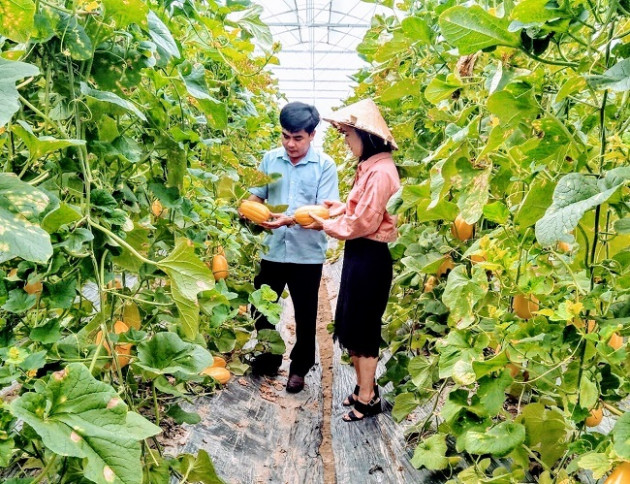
pixel 318 223
pixel 280 220
pixel 334 207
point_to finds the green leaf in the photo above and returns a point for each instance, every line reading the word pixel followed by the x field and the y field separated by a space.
pixel 6 453
pixel 46 21
pixel 513 105
pixel 21 198
pixel 475 195
pixel 499 440
pixel 406 87
pixel 617 78
pixel 10 72
pixel 547 432
pixel 20 238
pixel 272 341
pixel 404 404
pixel 398 45
pixel 103 200
pixel 417 30
pixel 431 453
pixel 181 416
pixel 48 333
pixel 61 294
pixel 78 416
pixel 621 436
pixel 574 195
pixel 34 361
pixel 472 29
pixel 419 196
pixel 264 299
pixel 19 301
pixel 39 147
pixel 536 202
pixel 491 365
pixel 176 165
pixel 126 13
pixel 463 373
pixel 598 463
pixel 196 86
pixel 199 469
pixel 551 139
pixel 162 36
pixel 459 346
pixel 195 82
pixel 572 85
pixel 76 243
pixel 420 369
pixel 111 98
pixel 17 19
pixel 249 20
pixel 166 353
pixel 189 276
pixel 536 12
pixel 63 215
pixel 491 392
pixel 75 40
pixel 622 226
pixel 461 294
pixel 215 111
pixel 497 212
pixel 439 89
pixel 589 394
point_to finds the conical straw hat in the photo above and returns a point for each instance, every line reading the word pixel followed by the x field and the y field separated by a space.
pixel 363 115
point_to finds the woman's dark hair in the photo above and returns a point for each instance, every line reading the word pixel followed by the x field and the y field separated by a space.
pixel 297 116
pixel 372 144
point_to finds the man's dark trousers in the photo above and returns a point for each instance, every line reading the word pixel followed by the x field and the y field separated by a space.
pixel 303 282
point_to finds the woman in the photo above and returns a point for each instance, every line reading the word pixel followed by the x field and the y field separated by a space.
pixel 364 223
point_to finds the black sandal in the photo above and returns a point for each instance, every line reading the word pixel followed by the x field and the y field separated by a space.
pixel 367 409
pixel 353 397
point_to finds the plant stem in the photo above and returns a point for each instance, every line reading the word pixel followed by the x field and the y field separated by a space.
pixel 141 301
pixel 57 127
pixel 613 410
pixel 44 473
pixel 572 65
pixel 156 405
pixel 121 242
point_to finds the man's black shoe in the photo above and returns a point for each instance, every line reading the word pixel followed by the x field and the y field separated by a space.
pixel 266 364
pixel 295 383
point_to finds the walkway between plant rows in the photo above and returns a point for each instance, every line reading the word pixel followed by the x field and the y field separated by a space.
pixel 258 433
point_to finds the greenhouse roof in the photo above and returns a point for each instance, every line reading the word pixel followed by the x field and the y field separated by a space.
pixel 319 40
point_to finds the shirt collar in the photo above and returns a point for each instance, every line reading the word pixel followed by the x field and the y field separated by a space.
pixel 310 156
pixel 372 160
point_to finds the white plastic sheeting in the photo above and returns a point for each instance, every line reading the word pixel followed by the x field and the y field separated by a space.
pixel 319 39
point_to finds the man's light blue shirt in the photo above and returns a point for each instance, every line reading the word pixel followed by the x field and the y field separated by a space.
pixel 311 181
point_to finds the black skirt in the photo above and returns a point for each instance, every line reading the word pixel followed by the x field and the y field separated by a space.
pixel 366 279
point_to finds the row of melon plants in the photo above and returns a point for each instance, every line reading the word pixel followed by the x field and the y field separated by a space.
pixel 128 133
pixel 510 308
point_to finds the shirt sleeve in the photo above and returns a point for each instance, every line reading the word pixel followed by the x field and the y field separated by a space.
pixel 368 213
pixel 263 191
pixel 328 188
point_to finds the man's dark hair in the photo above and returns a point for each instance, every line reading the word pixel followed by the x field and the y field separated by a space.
pixel 372 144
pixel 297 116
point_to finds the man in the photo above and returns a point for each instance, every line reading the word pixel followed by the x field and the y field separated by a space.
pixel 295 256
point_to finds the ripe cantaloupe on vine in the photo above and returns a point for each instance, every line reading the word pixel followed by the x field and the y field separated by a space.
pixel 123 350
pixel 220 268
